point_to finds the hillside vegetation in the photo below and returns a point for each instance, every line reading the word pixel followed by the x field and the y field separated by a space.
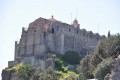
pixel 98 64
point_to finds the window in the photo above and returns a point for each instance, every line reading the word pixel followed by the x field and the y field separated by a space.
pixel 33 48
pixel 57 28
pixel 97 38
pixel 52 30
pixel 90 36
pixel 83 34
pixel 69 30
pixel 77 32
pixel 25 49
pixel 44 34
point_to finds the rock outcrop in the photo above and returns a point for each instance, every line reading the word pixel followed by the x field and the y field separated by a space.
pixel 6 75
pixel 115 71
pixel 25 73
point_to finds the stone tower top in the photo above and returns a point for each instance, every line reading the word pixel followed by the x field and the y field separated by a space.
pixel 52 18
pixel 75 23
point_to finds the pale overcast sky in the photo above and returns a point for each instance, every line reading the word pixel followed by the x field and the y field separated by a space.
pixel 96 15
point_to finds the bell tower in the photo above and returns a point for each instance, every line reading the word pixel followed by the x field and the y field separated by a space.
pixel 75 24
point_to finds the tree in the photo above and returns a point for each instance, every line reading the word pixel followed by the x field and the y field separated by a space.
pixel 59 64
pixel 84 68
pixel 25 71
pixel 71 57
pixel 108 34
pixel 103 69
pixel 109 47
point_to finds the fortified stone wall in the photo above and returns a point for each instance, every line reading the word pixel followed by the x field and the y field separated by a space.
pixel 44 35
pixel 76 39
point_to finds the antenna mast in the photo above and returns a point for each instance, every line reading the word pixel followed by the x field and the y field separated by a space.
pixel 98 28
pixel 76 13
pixel 71 17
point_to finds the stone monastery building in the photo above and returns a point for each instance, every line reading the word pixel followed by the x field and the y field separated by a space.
pixel 46 35
pixel 50 35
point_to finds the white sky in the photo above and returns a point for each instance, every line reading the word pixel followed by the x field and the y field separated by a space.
pixel 96 15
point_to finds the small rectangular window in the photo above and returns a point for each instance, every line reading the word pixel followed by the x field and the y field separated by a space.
pixel 69 30
pixel 44 34
pixel 83 34
pixel 57 28
pixel 52 30
pixel 97 38
pixel 90 36
pixel 77 32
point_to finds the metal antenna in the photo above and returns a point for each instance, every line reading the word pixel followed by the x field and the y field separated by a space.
pixel 71 17
pixel 98 28
pixel 76 13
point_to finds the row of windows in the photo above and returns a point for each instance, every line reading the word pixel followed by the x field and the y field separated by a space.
pixel 77 31
pixel 70 31
pixel 91 36
pixel 55 29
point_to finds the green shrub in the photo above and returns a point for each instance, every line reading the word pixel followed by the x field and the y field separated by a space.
pixel 71 57
pixel 24 71
pixel 103 69
pixel 84 68
pixel 107 48
pixel 46 76
pixel 59 64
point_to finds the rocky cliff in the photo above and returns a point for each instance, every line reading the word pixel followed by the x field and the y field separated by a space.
pixel 115 71
pixel 26 72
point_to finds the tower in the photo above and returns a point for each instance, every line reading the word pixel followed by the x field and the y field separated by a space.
pixel 76 24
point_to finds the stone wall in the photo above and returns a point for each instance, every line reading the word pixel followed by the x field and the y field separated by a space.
pixel 6 75
pixel 45 35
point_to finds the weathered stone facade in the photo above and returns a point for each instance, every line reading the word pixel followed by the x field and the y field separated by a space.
pixel 50 35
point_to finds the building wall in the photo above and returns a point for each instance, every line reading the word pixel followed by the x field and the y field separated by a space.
pixel 44 35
